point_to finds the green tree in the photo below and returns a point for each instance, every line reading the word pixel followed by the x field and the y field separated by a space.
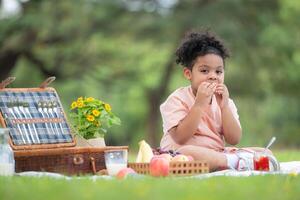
pixel 123 52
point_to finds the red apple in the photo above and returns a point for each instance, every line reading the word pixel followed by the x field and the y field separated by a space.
pixel 159 166
pixel 180 158
pixel 122 174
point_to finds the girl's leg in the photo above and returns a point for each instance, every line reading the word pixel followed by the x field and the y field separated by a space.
pixel 250 149
pixel 259 149
pixel 216 160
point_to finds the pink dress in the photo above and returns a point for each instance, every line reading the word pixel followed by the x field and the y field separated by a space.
pixel 209 133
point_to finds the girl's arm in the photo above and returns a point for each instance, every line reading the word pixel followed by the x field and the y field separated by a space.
pixel 231 128
pixel 188 126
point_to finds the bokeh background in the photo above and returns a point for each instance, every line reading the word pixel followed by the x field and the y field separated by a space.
pixel 122 52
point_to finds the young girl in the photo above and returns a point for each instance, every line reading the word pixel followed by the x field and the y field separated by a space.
pixel 200 118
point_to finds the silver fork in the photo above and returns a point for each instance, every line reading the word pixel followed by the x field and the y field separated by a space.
pixel 49 107
pixel 19 116
pixel 40 109
pixel 28 115
pixel 55 112
pixel 11 111
pixel 25 116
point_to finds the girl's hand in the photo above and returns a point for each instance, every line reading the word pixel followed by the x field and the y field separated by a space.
pixel 222 95
pixel 204 93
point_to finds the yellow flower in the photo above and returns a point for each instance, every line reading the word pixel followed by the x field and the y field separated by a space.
pixel 87 113
pixel 96 113
pixel 107 107
pixel 80 104
pixel 97 124
pixel 90 118
pixel 89 99
pixel 73 105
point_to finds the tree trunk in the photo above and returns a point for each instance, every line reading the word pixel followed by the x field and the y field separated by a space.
pixel 8 60
pixel 153 129
pixel 154 98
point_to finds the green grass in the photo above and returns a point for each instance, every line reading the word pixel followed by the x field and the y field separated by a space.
pixel 255 187
pixel 287 155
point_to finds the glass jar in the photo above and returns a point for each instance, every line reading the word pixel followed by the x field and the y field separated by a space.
pixel 7 161
pixel 261 161
pixel 264 161
pixel 115 160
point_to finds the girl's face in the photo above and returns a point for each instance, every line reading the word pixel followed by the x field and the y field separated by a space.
pixel 207 68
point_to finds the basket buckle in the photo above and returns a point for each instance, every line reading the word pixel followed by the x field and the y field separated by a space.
pixel 78 159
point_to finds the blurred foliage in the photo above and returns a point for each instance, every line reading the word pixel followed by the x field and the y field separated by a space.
pixel 122 51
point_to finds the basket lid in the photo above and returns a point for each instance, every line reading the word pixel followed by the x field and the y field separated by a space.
pixel 35 116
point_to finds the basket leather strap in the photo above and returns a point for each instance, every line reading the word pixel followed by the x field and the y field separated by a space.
pixel 47 82
pixel 6 82
pixel 93 165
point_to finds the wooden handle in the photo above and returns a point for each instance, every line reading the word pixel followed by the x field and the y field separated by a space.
pixel 93 165
pixel 47 82
pixel 6 82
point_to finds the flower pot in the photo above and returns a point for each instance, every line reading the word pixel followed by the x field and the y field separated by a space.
pixel 95 142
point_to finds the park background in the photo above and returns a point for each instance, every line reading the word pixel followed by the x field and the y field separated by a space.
pixel 122 52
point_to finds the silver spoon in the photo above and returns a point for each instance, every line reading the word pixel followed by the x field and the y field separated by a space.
pixel 270 143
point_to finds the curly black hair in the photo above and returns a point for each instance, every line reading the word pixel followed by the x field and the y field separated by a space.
pixel 197 44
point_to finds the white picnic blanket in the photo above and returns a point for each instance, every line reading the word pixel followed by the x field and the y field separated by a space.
pixel 286 168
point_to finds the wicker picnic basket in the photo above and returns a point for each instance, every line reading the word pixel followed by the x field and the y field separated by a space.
pixel 40 135
pixel 186 168
pixel 66 160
